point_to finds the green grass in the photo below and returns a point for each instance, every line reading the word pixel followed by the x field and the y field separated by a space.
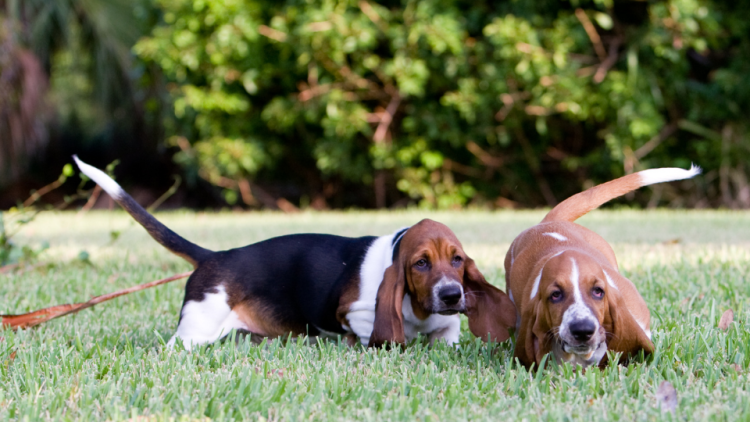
pixel 109 363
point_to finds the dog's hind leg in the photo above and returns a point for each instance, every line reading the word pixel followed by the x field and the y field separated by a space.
pixel 206 321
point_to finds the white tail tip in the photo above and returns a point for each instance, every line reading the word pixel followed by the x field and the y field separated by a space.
pixel 100 178
pixel 667 174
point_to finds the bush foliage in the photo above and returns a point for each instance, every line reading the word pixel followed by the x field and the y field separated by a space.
pixel 447 102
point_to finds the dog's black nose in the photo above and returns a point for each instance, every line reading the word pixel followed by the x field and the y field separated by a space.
pixel 450 295
pixel 582 330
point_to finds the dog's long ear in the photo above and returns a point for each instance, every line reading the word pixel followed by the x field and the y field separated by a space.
pixel 527 343
pixel 532 342
pixel 389 317
pixel 628 336
pixel 491 312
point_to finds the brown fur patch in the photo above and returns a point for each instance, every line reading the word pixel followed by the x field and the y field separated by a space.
pixel 489 309
pixel 619 312
pixel 261 322
pixel 349 295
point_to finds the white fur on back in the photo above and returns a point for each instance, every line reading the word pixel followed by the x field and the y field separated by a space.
pixel 361 314
pixel 378 258
pixel 100 178
pixel 667 174
pixel 557 236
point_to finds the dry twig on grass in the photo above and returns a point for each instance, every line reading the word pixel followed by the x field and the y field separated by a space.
pixel 32 319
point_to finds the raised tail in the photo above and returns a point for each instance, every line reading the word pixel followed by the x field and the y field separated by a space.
pixel 169 239
pixel 580 204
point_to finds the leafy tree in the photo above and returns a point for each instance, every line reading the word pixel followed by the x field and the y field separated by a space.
pixel 444 102
pixel 68 61
pixel 22 87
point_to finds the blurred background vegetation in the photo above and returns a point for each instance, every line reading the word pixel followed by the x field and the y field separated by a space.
pixel 372 104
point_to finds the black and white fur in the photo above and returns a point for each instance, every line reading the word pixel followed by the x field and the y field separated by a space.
pixel 296 282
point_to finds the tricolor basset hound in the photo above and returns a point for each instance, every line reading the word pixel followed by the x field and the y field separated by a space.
pixel 376 289
pixel 564 280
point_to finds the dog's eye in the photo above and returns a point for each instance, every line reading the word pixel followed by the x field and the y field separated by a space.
pixel 421 263
pixel 457 260
pixel 597 292
pixel 556 296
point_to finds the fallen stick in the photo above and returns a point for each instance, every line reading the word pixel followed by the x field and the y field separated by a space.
pixel 4 269
pixel 32 319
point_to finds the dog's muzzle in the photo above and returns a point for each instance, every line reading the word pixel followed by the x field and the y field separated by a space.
pixel 450 299
pixel 582 337
pixel 582 330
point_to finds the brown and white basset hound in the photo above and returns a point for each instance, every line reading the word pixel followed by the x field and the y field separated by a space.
pixel 564 280
pixel 376 289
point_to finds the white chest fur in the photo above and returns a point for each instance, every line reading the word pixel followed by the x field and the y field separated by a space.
pixel 361 316
pixel 436 326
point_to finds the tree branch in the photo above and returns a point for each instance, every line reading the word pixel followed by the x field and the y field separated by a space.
pixel 601 72
pixel 386 118
pixel 632 157
pixel 271 33
pixel 591 32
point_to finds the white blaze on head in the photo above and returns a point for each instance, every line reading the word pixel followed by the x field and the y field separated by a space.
pixel 578 310
pixel 100 178
pixel 574 278
pixel 535 286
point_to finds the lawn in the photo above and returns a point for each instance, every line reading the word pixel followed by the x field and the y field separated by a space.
pixel 109 362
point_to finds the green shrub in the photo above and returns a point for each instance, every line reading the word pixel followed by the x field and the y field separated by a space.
pixel 445 102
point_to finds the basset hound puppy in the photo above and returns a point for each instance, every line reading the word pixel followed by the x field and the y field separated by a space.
pixel 564 280
pixel 376 289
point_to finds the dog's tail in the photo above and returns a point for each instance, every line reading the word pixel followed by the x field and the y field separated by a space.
pixel 169 239
pixel 579 204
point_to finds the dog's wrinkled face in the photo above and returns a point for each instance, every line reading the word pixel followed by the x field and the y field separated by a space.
pixel 431 268
pixel 434 265
pixel 573 289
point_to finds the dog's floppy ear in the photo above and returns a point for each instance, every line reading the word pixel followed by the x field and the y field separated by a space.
pixel 532 341
pixel 389 317
pixel 491 312
pixel 528 345
pixel 627 335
